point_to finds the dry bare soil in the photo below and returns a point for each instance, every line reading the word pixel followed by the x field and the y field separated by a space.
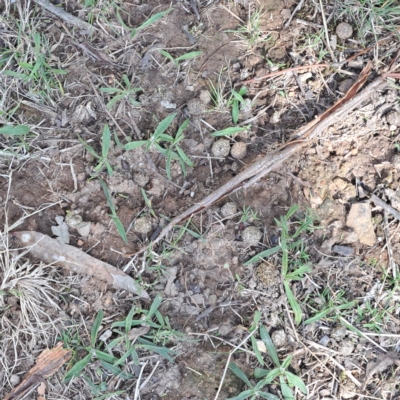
pixel 85 107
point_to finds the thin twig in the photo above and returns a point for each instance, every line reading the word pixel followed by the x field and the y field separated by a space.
pixel 60 13
pixel 229 359
pixel 277 73
pixel 326 32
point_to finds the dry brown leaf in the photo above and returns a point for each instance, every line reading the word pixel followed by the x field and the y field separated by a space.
pixel 48 362
pixel 51 251
pixel 384 361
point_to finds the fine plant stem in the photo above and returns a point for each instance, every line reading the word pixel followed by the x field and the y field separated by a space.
pixel 229 359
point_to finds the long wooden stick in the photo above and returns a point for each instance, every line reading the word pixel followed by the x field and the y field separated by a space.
pixel 270 162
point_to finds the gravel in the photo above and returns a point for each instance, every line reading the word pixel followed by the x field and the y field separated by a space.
pixel 221 148
pixel 252 236
pixel 142 225
pixel 344 30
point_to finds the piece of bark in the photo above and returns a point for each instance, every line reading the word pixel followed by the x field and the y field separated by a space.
pixel 48 362
pixel 69 257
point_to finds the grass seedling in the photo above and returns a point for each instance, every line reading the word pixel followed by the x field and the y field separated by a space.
pixel 248 215
pixel 237 98
pixel 172 150
pixel 331 306
pixel 125 344
pixel 42 78
pixel 293 255
pixel 371 17
pixel 279 375
pixel 114 216
pixel 148 202
pixel 251 33
pixel 184 57
pixel 105 148
pixel 134 31
pixel 127 92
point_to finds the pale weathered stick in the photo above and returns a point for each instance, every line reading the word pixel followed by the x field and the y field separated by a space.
pixel 69 257
pixel 60 13
pixel 263 166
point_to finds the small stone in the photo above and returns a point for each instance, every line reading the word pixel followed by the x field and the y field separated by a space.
pixel 346 347
pixel 212 300
pixel 141 179
pixel 252 236
pixel 360 220
pixel 168 105
pixel 262 348
pixel 279 338
pixel 225 329
pixel 239 150
pixel 142 225
pixel 305 77
pixel 344 30
pixel 344 251
pixel 229 209
pixel 205 97
pixel 221 148
pixel 195 106
pixel 393 118
pixel 348 389
pixel 14 380
pixel 345 85
pixel 338 332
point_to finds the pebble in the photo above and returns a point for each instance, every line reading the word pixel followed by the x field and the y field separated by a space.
pixel 195 106
pixel 14 380
pixel 279 338
pixel 346 347
pixel 338 332
pixel 344 251
pixel 344 30
pixel 205 97
pixel 252 236
pixel 393 118
pixel 268 274
pixel 229 209
pixel 142 225
pixel 360 220
pixel 239 150
pixel 221 148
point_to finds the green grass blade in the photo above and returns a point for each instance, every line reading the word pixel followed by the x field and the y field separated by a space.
pixel 116 371
pixel 167 55
pixel 263 254
pixel 292 210
pixel 163 126
pixel 168 163
pixel 235 111
pixel 261 372
pixel 184 157
pixel 184 125
pixel 237 96
pixel 293 303
pixel 229 131
pixel 17 130
pixel 189 56
pixel 256 351
pixel 106 141
pixel 120 228
pixel 286 391
pixel 296 381
pixel 135 145
pixel 115 100
pixel 78 367
pixel 131 352
pixel 317 316
pixel 240 374
pixel 153 19
pixel 110 90
pixel 129 318
pixel 108 197
pixel 154 307
pixel 101 355
pixel 243 396
pixel 95 328
pixel 88 148
pixel 266 338
pixel 268 396
pixel 286 362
